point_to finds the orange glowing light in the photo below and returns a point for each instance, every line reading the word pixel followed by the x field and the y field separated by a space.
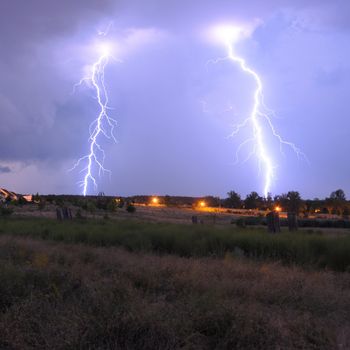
pixel 202 204
pixel 278 209
pixel 155 200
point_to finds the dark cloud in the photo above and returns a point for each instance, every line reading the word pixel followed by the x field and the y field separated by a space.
pixel 301 48
pixel 5 169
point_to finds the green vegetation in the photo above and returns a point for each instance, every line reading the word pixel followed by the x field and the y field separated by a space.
pixel 300 248
pixel 320 223
pixel 130 208
pixel 5 211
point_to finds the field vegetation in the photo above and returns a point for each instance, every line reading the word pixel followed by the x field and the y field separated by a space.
pixel 117 282
pixel 72 296
pixel 306 248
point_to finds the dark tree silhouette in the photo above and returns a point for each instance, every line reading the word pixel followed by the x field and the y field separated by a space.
pixel 336 203
pixel 290 201
pixel 253 201
pixel 234 200
pixel 294 201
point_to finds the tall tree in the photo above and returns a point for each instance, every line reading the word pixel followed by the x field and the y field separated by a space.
pixel 234 200
pixel 281 201
pixel 267 202
pixel 338 195
pixel 294 201
pixel 290 201
pixel 253 201
pixel 336 203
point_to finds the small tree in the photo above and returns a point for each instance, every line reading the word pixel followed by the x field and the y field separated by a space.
pixel 130 208
pixel 111 205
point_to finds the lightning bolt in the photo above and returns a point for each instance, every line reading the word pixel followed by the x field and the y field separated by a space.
pixel 259 117
pixel 102 126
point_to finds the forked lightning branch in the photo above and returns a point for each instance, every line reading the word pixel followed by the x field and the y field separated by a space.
pixel 92 164
pixel 259 116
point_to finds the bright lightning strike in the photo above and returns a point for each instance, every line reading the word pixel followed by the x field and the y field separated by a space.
pixel 103 125
pixel 260 115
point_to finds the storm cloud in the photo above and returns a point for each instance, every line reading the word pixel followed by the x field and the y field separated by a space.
pixel 5 169
pixel 174 111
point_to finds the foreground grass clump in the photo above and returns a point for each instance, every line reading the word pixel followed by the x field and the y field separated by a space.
pixel 59 296
pixel 184 240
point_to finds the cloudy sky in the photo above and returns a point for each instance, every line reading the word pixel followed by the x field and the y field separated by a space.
pixel 175 111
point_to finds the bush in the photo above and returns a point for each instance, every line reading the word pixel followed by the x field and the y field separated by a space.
pixel 6 211
pixel 79 215
pixel 305 222
pixel 130 208
pixel 42 204
pixel 240 222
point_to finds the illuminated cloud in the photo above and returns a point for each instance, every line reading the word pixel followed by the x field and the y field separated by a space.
pixel 300 49
pixel 231 32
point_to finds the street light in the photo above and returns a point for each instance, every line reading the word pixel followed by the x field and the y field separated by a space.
pixel 155 200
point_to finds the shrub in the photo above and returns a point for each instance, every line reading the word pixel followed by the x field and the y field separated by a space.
pixel 42 204
pixel 6 211
pixel 130 208
pixel 240 222
pixel 79 215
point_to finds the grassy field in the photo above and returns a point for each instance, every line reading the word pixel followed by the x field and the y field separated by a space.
pixel 306 248
pixel 72 296
pixel 119 284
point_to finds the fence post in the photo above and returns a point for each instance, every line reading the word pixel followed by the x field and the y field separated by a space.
pixel 59 214
pixel 273 222
pixel 292 221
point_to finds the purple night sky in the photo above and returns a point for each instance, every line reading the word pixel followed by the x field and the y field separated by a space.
pixel 174 111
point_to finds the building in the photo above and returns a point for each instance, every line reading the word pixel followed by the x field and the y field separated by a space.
pixel 6 195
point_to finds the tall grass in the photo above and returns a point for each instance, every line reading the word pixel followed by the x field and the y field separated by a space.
pixel 184 240
pixel 70 296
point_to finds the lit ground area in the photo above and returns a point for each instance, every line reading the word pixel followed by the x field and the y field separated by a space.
pixel 143 213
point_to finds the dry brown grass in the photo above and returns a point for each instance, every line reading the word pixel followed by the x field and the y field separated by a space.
pixel 56 296
pixel 176 215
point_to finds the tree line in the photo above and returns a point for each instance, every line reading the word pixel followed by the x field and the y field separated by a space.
pixel 291 201
pixel 336 203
